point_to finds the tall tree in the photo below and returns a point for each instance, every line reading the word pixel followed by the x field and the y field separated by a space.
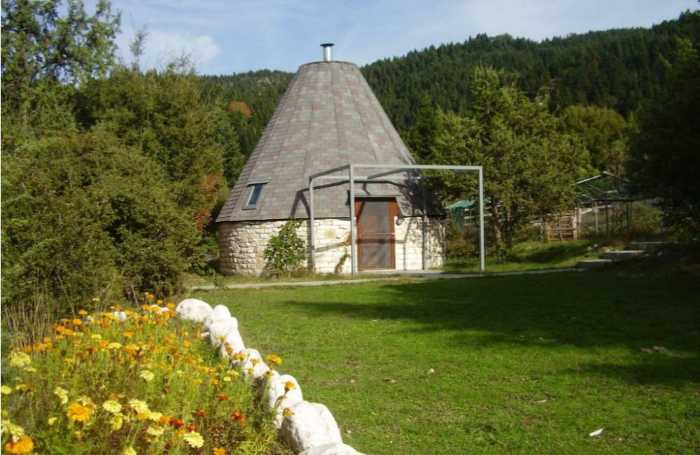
pixel 666 150
pixel 530 165
pixel 604 132
pixel 163 115
pixel 47 48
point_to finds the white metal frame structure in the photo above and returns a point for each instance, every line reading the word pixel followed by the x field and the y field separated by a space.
pixel 389 169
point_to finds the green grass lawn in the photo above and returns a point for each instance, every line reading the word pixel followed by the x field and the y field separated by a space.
pixel 498 364
pixel 532 255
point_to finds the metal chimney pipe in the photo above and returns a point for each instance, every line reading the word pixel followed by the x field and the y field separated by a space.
pixel 327 52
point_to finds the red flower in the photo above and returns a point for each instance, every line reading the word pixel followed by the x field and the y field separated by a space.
pixel 222 397
pixel 191 427
pixel 176 423
pixel 200 413
pixel 238 417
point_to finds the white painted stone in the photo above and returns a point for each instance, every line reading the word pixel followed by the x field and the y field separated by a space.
pixel 242 244
pixel 331 449
pixel 219 312
pixel 193 310
pixel 220 328
pixel 232 343
pixel 276 398
pixel 252 365
pixel 309 425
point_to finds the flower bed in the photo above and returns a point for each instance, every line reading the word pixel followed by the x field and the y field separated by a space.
pixel 130 382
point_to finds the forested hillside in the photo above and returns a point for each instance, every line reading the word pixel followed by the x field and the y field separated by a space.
pixel 615 68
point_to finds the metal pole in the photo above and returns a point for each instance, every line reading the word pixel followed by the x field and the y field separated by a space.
pixel 424 230
pixel 312 241
pixel 353 258
pixel 482 251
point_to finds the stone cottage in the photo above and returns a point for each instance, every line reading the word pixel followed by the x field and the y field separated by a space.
pixel 329 118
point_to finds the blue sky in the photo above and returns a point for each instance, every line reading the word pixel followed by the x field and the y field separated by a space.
pixel 223 37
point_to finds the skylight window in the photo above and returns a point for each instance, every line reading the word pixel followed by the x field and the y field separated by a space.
pixel 254 195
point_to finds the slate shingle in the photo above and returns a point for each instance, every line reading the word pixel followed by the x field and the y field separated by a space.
pixel 327 118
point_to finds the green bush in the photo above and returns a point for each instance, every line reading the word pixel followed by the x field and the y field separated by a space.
pixel 285 251
pixel 85 217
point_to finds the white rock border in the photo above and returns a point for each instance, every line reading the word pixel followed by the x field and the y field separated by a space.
pixel 308 428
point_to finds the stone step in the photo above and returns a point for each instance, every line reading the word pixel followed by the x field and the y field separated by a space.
pixel 588 264
pixel 622 255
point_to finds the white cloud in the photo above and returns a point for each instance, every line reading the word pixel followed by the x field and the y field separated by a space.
pixel 163 47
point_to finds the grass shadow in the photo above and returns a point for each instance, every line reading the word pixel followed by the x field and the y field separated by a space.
pixel 580 310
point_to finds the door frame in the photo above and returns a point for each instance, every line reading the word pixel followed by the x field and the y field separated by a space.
pixel 392 213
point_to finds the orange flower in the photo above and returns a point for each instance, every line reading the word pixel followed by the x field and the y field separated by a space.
pixel 79 413
pixel 200 413
pixel 191 427
pixel 289 385
pixel 23 445
pixel 218 451
pixel 77 322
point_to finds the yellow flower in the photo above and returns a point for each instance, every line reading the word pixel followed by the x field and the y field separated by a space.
pixel 155 431
pixel 139 406
pixel 287 412
pixel 146 375
pixel 218 451
pixel 79 413
pixel 21 387
pixel 289 385
pixel 116 422
pixel 154 416
pixel 51 420
pixel 111 406
pixel 82 313
pixel 6 390
pixel 114 345
pixel 15 430
pixel 274 359
pixel 96 336
pixel 194 439
pixel 23 444
pixel 19 359
pixel 62 394
pixel 129 451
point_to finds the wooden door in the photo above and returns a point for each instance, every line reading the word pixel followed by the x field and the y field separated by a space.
pixel 375 233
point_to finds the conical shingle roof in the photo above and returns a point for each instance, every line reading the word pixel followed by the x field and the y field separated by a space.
pixel 327 118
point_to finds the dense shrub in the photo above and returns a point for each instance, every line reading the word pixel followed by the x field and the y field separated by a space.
pixel 285 251
pixel 85 217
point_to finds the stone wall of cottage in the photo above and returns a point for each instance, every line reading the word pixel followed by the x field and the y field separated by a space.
pixel 242 244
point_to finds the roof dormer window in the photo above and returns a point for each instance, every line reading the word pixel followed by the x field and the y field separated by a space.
pixel 254 195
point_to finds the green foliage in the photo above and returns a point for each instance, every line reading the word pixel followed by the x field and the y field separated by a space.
pixel 285 251
pixel 44 44
pixel 163 115
pixel 665 159
pixel 530 165
pixel 604 133
pixel 84 217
